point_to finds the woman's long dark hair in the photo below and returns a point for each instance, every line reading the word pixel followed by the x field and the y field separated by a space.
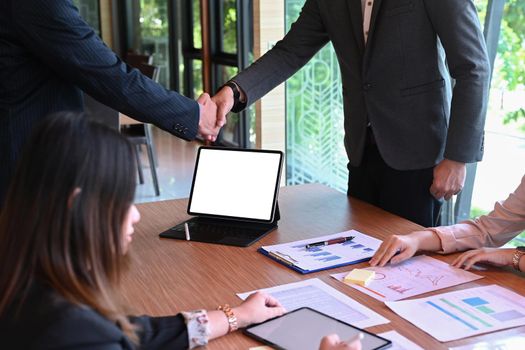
pixel 61 224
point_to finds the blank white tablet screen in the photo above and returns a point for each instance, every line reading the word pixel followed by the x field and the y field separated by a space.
pixel 235 183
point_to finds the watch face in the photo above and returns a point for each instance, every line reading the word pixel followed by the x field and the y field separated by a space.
pixel 521 249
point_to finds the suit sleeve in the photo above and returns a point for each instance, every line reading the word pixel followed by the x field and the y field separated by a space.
pixel 457 25
pixel 169 332
pixel 55 33
pixel 305 38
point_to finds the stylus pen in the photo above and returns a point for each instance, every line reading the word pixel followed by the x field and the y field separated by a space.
pixel 358 337
pixel 330 241
pixel 187 231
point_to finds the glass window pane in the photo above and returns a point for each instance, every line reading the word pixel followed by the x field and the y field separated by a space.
pixel 151 33
pixel 252 120
pixel 197 78
pixel 229 26
pixel 481 5
pixel 197 31
pixel 89 10
pixel 505 123
pixel 226 73
pixel 314 118
pixel 230 132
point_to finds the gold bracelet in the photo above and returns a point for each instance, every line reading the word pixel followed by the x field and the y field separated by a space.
pixel 518 253
pixel 230 315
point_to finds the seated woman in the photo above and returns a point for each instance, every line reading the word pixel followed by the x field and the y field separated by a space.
pixel 65 232
pixel 502 224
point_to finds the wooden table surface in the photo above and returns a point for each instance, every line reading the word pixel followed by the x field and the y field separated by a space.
pixel 168 276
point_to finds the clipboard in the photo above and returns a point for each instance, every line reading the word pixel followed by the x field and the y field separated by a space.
pixel 292 265
pixel 295 256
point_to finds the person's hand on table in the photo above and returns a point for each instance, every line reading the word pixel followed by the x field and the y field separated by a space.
pixel 449 178
pixel 494 256
pixel 398 248
pixel 405 245
pixel 208 128
pixel 333 342
pixel 257 308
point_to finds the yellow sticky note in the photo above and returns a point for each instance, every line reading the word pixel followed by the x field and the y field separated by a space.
pixel 360 277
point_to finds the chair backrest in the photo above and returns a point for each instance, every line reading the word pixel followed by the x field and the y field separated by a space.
pixel 149 70
pixel 100 112
pixel 135 59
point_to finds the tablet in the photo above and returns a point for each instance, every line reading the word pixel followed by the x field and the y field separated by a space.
pixel 236 184
pixel 304 328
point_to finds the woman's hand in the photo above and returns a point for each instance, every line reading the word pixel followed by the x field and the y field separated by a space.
pixel 258 307
pixel 405 246
pixel 333 342
pixel 494 256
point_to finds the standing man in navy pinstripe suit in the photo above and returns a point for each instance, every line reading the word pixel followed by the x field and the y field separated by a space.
pixel 48 54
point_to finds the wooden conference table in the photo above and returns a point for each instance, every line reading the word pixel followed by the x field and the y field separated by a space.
pixel 168 276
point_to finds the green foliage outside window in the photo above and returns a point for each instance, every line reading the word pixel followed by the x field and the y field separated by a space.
pixel 229 35
pixel 197 26
pixel 153 18
pixel 509 67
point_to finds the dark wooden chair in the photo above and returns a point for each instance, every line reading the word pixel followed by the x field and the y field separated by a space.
pixel 135 59
pixel 140 133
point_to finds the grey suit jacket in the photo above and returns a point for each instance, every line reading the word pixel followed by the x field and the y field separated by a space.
pixel 398 81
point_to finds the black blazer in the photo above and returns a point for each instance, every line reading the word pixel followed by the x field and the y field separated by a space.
pixel 47 54
pixel 47 321
pixel 398 82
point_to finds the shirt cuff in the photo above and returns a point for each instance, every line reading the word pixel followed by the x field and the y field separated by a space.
pixel 198 327
pixel 447 238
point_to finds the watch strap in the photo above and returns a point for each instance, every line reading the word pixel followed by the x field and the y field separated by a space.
pixel 237 104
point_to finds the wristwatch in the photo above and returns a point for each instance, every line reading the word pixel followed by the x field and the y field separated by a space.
pixel 236 95
pixel 518 253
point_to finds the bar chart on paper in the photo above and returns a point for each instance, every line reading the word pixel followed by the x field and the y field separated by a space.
pixel 418 275
pixel 464 313
pixel 362 247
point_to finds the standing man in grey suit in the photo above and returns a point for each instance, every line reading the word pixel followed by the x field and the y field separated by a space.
pixel 407 135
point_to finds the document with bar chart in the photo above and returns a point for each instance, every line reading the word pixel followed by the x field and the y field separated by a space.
pixel 464 313
pixel 296 256
pixel 415 276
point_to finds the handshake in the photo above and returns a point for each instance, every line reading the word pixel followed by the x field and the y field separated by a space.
pixel 213 111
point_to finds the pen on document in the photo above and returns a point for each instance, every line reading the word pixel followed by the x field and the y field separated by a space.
pixel 330 241
pixel 187 231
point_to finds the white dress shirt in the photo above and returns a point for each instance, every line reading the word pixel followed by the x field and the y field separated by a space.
pixel 367 6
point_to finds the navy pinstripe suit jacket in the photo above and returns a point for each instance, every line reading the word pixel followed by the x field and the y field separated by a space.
pixel 48 54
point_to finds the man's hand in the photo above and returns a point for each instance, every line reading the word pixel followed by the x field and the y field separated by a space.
pixel 224 100
pixel 449 178
pixel 208 128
